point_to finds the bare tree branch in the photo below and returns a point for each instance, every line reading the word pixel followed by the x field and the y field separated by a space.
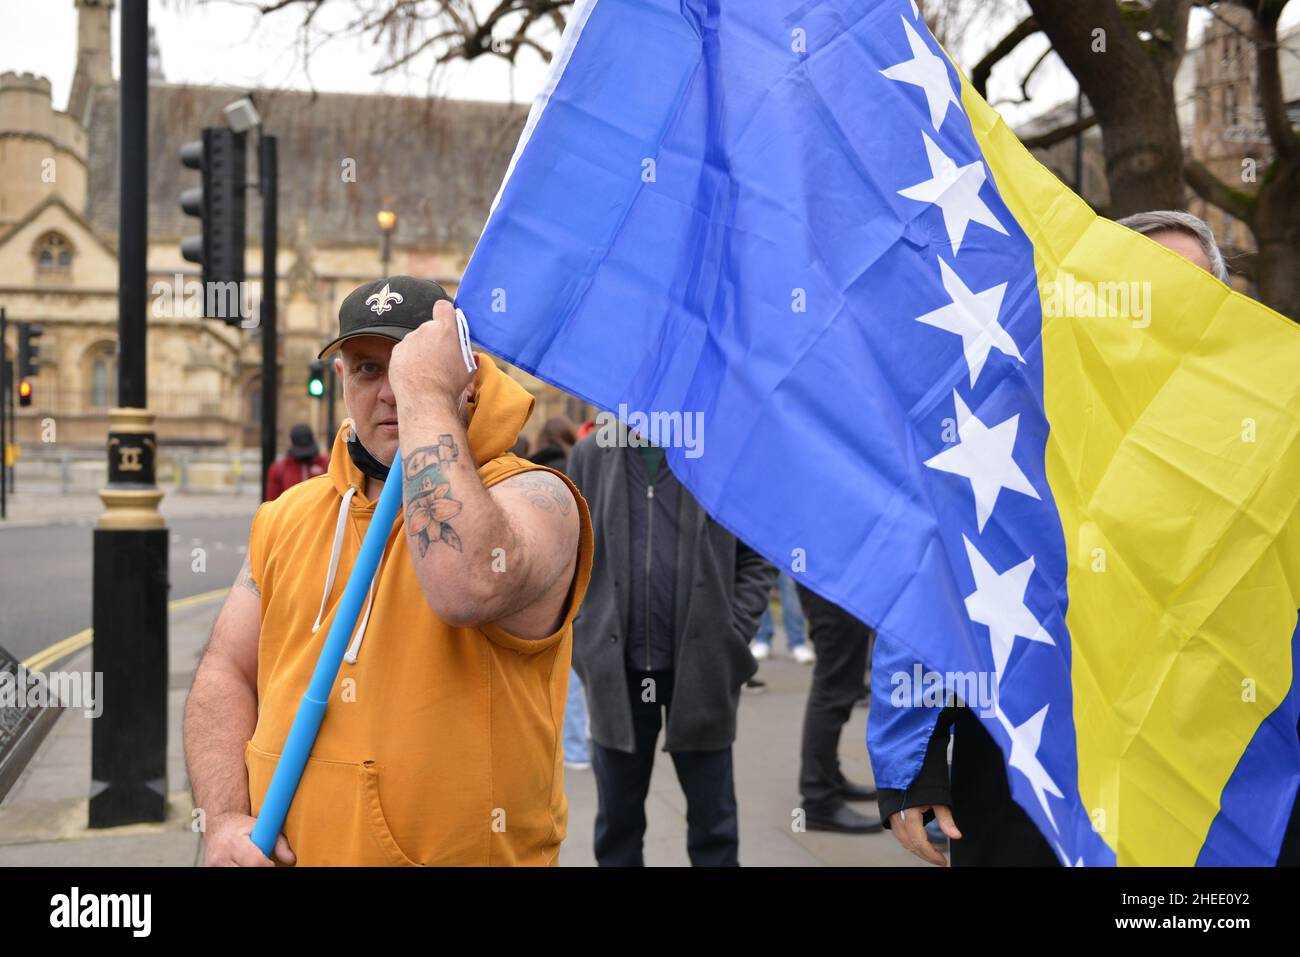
pixel 273 7
pixel 1125 70
pixel 1167 22
pixel 1059 135
pixel 1024 81
pixel 414 52
pixel 1271 98
pixel 1210 188
pixel 443 30
pixel 1022 31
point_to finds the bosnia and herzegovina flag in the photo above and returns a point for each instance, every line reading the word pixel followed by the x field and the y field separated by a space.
pixel 1020 440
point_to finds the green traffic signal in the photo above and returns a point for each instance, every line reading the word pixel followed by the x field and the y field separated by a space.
pixel 315 379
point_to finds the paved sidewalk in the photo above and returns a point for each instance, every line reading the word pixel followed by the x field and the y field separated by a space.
pixel 43 819
pixel 35 504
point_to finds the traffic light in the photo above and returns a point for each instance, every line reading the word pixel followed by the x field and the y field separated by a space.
pixel 24 392
pixel 219 205
pixel 315 379
pixel 28 351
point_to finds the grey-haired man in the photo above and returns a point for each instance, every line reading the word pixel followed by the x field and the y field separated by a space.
pixel 1185 234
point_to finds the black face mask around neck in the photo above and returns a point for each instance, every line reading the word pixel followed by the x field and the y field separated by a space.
pixel 363 460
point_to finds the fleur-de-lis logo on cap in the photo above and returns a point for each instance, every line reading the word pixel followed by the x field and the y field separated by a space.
pixel 383 300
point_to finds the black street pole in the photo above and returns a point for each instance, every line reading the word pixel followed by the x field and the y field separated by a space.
pixel 9 407
pixel 129 616
pixel 12 401
pixel 266 167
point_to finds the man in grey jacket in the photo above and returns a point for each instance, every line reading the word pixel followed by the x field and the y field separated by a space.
pixel 663 633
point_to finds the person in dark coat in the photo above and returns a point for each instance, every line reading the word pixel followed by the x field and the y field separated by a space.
pixel 972 800
pixel 995 830
pixel 555 441
pixel 662 641
pixel 842 644
pixel 303 461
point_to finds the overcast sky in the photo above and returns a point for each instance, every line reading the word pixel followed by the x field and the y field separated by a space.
pixel 227 42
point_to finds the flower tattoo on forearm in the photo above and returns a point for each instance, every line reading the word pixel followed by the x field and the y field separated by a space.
pixel 429 505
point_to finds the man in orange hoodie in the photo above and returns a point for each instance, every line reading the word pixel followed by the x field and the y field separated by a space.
pixel 442 740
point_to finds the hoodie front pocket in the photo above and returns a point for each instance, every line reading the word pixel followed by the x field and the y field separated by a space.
pixel 336 818
pixel 378 823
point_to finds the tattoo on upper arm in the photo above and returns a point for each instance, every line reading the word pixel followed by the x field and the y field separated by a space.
pixel 245 577
pixel 544 490
pixel 429 505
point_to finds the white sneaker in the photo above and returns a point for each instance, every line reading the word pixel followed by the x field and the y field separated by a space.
pixel 761 650
pixel 803 654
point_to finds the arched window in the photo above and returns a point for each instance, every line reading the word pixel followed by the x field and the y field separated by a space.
pixel 101 364
pixel 53 254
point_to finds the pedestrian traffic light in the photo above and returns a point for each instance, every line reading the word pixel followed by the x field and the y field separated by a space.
pixel 25 392
pixel 28 351
pixel 219 204
pixel 315 379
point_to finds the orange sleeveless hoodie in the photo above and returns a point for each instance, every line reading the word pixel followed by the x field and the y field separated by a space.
pixel 440 745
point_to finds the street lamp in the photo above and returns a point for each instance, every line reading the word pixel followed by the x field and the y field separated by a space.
pixel 128 746
pixel 387 220
pixel 242 117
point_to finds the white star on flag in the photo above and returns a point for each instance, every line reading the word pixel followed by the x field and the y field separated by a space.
pixel 974 317
pixel 1065 858
pixel 956 191
pixel 915 12
pixel 927 71
pixel 984 457
pixel 998 602
pixel 1024 758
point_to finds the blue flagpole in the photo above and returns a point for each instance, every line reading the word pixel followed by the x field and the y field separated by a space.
pixel 311 711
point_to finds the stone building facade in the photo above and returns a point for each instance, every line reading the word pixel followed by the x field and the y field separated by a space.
pixel 1227 128
pixel 1218 115
pixel 342 158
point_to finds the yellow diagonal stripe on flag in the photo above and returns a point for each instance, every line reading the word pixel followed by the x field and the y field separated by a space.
pixel 1173 459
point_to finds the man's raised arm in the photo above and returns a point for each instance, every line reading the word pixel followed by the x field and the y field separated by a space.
pixel 505 555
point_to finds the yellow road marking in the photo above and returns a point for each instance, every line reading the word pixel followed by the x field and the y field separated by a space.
pixel 61 649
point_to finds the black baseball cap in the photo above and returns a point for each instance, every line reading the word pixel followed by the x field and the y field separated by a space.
pixel 389 307
pixel 302 443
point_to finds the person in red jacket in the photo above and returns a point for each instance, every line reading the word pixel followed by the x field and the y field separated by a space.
pixel 301 462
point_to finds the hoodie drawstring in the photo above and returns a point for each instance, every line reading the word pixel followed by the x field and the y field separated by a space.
pixel 334 554
pixel 351 656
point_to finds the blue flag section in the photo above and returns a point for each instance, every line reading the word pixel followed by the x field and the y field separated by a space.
pixel 775 219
